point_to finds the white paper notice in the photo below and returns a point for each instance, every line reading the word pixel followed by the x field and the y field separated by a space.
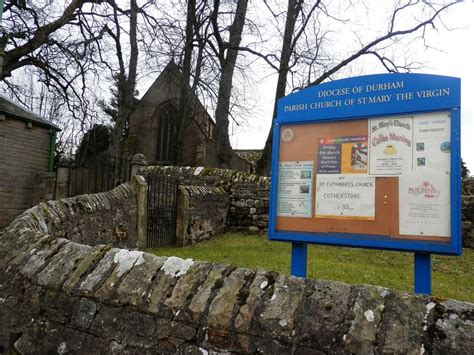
pixel 424 201
pixel 390 145
pixel 432 138
pixel 345 196
pixel 295 189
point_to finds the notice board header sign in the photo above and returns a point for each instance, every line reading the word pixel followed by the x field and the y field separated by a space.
pixel 372 161
pixel 371 95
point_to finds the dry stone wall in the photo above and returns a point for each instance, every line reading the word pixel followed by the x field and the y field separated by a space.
pixel 189 175
pixel 249 196
pixel 249 206
pixel 202 213
pixel 61 296
pixel 248 193
pixel 103 218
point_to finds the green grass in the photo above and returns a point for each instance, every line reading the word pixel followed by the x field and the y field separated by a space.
pixel 452 276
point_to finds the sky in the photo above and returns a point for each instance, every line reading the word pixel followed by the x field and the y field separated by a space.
pixel 453 56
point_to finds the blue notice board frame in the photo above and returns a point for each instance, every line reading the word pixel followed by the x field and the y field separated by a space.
pixel 348 99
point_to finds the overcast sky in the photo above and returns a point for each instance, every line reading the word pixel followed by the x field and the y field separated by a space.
pixel 454 57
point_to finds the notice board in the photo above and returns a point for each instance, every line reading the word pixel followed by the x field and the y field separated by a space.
pixel 372 162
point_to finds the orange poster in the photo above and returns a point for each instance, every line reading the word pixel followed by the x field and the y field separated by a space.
pixel 342 155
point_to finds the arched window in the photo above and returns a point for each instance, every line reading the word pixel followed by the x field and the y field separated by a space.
pixel 166 133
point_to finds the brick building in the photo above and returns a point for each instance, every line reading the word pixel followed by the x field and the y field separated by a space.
pixel 152 126
pixel 26 149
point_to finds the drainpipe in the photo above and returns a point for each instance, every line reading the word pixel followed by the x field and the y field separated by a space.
pixel 51 149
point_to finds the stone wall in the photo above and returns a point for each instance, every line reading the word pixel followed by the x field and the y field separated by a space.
pixel 59 296
pixel 202 213
pixel 24 152
pixel 249 206
pixel 200 176
pixel 103 218
pixel 249 196
pixel 248 193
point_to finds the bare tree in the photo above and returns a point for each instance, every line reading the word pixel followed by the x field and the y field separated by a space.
pixel 25 32
pixel 290 39
pixel 186 74
pixel 54 43
pixel 126 75
pixel 74 47
pixel 319 64
pixel 50 104
pixel 226 52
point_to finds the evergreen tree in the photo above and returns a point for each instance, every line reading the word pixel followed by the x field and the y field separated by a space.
pixel 95 141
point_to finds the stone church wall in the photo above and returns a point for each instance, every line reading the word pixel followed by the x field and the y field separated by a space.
pixel 61 296
pixel 144 125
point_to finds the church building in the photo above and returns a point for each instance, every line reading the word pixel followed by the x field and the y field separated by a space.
pixel 153 125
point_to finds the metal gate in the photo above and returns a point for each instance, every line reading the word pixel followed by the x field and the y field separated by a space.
pixel 162 205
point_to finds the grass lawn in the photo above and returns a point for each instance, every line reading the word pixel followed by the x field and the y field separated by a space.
pixel 452 276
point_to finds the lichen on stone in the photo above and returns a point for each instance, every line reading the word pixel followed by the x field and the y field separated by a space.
pixel 369 315
pixel 126 259
pixel 176 266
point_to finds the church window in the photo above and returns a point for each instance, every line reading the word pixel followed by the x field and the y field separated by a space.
pixel 166 133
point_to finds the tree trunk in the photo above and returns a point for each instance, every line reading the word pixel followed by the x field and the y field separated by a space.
pixel 183 95
pixel 221 132
pixel 294 8
pixel 125 83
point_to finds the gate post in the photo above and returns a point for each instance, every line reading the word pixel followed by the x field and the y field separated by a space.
pixel 182 217
pixel 62 183
pixel 141 187
pixel 138 160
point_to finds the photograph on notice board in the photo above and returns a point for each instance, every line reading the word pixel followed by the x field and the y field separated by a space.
pixel 342 155
pixel 295 189
pixel 390 146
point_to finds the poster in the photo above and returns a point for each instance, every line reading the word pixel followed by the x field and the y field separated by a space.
pixel 345 196
pixel 390 146
pixel 432 146
pixel 342 155
pixel 295 189
pixel 424 201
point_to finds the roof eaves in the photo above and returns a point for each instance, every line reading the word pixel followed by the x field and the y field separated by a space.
pixel 29 117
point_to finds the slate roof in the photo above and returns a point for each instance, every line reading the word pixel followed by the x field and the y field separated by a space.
pixel 16 111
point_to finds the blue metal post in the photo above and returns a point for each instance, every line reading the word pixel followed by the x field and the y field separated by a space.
pixel 299 257
pixel 423 273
